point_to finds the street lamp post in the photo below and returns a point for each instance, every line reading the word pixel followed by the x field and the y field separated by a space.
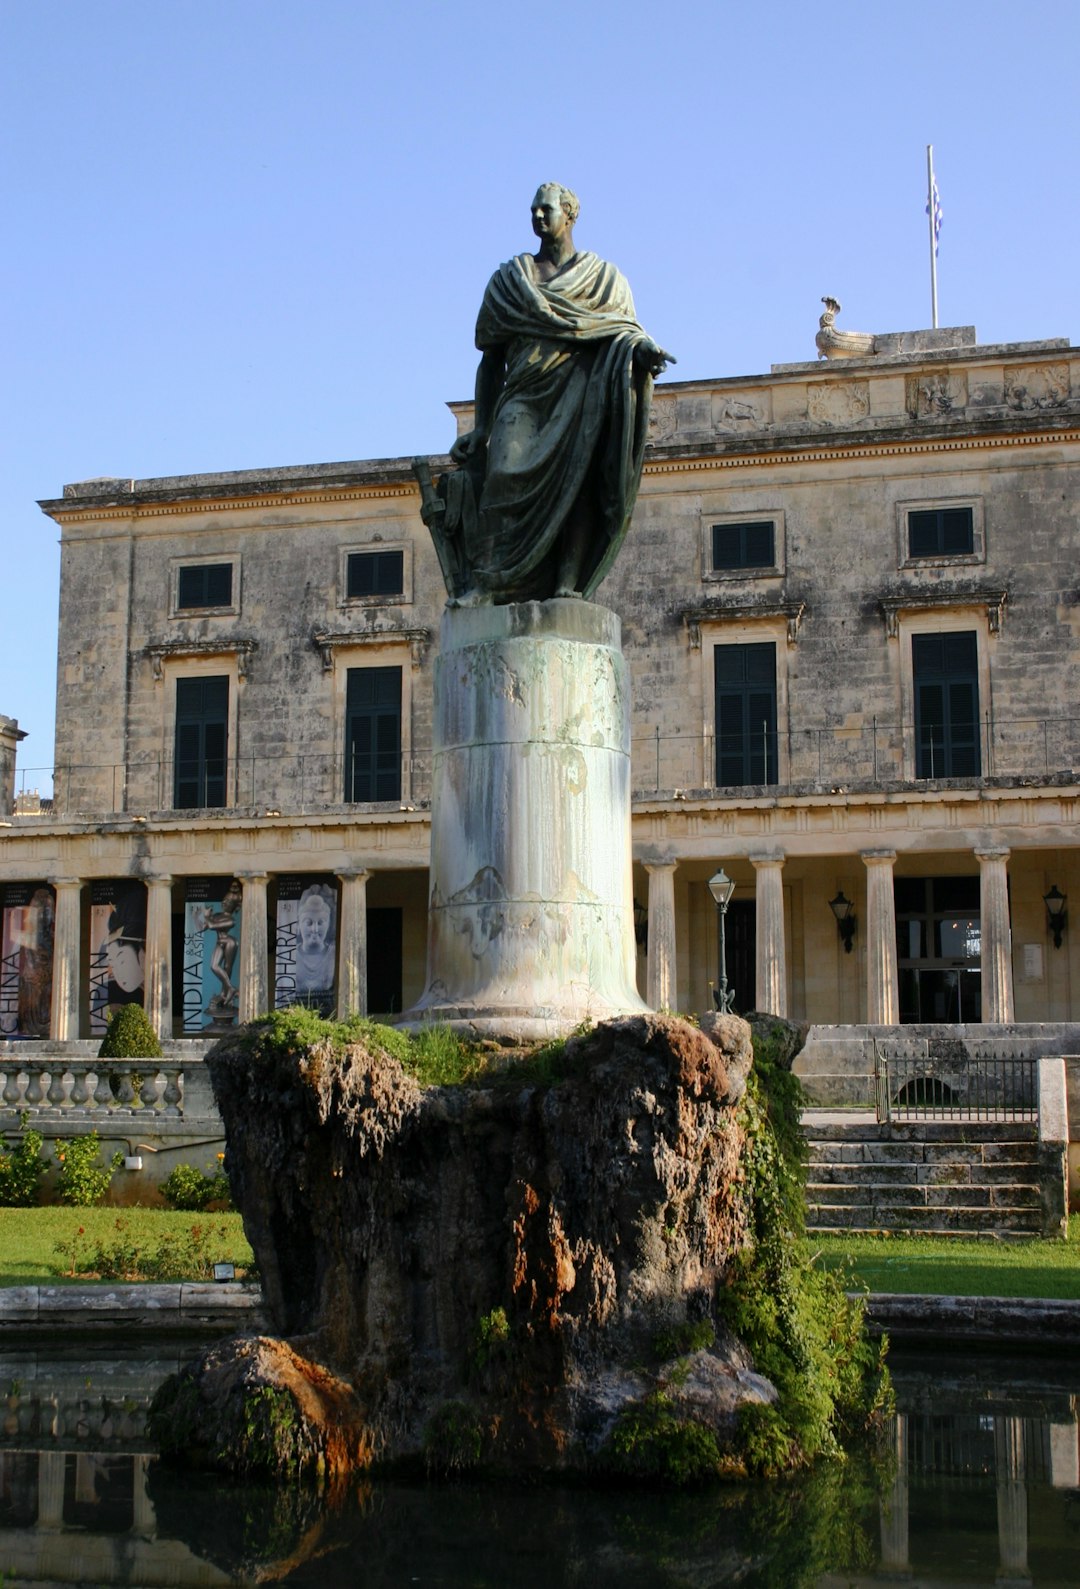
pixel 721 888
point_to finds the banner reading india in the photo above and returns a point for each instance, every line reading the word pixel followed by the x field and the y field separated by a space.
pixel 27 913
pixel 117 948
pixel 212 910
pixel 305 944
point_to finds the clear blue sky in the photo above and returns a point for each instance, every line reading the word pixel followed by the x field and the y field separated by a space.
pixel 255 232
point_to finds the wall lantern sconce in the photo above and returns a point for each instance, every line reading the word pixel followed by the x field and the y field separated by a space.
pixel 721 888
pixel 844 911
pixel 1057 916
pixel 641 925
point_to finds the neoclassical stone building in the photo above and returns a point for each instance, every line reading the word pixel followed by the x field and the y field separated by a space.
pixel 849 606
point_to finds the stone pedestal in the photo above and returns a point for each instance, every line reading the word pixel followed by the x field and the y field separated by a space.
pixel 530 921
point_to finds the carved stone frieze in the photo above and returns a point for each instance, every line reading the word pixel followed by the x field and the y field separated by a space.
pixel 936 394
pixel 837 402
pixel 1037 386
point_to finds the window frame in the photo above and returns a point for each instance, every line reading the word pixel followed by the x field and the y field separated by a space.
pixel 746 752
pixel 213 667
pixel 751 514
pixel 771 627
pixel 224 609
pixel 396 543
pixel 955 618
pixel 388 651
pixel 977 555
pixel 349 795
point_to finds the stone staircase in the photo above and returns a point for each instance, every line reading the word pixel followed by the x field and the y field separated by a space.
pixel 983 1178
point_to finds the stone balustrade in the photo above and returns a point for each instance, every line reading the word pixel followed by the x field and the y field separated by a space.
pixel 50 1088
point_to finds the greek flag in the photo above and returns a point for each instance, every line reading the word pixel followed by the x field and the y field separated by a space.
pixel 936 211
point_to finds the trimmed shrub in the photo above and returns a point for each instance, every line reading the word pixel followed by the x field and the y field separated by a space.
pixel 129 1035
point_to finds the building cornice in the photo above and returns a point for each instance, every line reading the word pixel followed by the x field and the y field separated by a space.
pixel 757 454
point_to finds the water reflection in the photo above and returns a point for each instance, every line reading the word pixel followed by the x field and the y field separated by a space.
pixel 979 1482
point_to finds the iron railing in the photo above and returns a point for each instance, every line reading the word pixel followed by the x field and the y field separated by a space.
pixel 818 759
pixel 989 1087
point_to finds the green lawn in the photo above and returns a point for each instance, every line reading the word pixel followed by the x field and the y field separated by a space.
pixel 949 1266
pixel 29 1237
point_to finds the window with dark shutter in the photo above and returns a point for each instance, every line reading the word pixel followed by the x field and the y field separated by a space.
pixel 373 734
pixel 375 574
pixel 945 675
pixel 200 760
pixel 748 544
pixel 204 585
pixel 745 677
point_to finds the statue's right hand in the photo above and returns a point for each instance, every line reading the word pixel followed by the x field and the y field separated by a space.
pixel 467 446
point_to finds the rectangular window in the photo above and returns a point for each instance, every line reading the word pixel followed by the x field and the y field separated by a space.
pixel 202 740
pixel 373 734
pixel 945 675
pixel 745 714
pixel 204 585
pixel 750 543
pixel 375 574
pixel 941 532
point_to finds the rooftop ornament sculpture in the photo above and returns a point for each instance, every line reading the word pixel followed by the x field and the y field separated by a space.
pixel 547 478
pixel 834 344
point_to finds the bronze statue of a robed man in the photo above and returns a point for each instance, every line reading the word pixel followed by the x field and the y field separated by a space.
pixel 547 478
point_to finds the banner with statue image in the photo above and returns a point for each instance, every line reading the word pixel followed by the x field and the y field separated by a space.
pixel 211 998
pixel 305 943
pixel 117 948
pixel 27 913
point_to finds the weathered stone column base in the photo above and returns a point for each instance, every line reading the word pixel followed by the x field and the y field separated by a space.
pixel 530 920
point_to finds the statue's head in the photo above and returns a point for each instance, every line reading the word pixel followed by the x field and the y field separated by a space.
pixel 555 193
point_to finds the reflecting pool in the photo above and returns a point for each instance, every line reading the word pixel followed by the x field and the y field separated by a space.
pixel 978 1483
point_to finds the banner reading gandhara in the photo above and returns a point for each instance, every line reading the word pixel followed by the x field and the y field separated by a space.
pixel 305 945
pixel 27 913
pixel 117 949
pixel 211 949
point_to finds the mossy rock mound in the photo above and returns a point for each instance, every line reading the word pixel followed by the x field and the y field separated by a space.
pixel 256 1408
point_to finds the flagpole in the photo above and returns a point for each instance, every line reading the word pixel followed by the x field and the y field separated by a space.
pixel 933 239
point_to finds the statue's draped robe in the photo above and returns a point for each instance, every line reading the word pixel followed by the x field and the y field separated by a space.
pixel 567 435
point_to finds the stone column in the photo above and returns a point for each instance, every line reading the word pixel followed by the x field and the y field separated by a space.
pixel 67 933
pixel 10 735
pixel 51 1469
pixel 996 931
pixel 254 980
pixel 144 1521
pixel 352 944
pixel 531 900
pixel 1012 1509
pixel 771 992
pixel 882 990
pixel 894 1507
pixel 158 993
pixel 660 991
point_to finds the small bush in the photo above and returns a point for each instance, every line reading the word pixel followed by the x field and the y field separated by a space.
pixel 129 1035
pixel 651 1442
pixel 682 1340
pixel 453 1439
pixel 190 1189
pixel 82 1181
pixel 21 1170
pixel 492 1337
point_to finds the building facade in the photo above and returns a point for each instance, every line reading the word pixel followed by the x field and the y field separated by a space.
pixel 849 607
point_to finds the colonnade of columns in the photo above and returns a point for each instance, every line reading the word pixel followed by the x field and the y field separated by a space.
pixel 253 971
pixel 879 927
